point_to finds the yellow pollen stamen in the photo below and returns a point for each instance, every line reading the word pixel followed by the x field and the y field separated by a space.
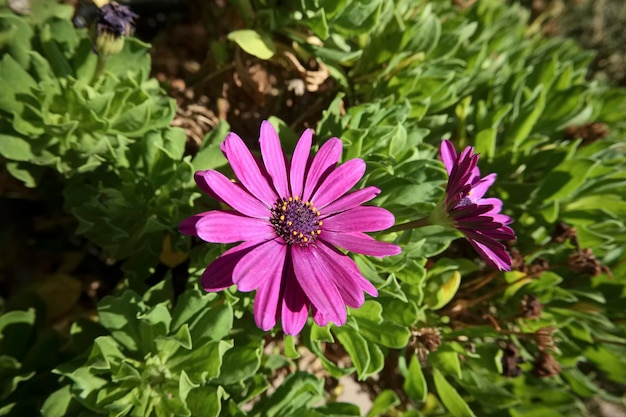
pixel 318 231
pixel 282 217
pixel 296 198
pixel 318 213
pixel 300 235
pixel 320 223
pixel 294 233
pixel 306 239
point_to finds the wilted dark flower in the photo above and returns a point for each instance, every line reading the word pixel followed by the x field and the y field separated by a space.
pixel 426 340
pixel 543 338
pixel 510 359
pixel 583 261
pixel 588 132
pixel 562 232
pixel 114 22
pixel 546 366
pixel 531 308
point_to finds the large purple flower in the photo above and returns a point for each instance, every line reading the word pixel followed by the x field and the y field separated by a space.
pixel 290 218
pixel 464 208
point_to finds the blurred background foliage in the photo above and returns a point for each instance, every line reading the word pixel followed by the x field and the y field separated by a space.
pixel 101 311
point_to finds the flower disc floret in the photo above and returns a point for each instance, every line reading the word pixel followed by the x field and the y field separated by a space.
pixel 297 222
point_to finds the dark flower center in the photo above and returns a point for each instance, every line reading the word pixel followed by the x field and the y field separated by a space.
pixel 295 221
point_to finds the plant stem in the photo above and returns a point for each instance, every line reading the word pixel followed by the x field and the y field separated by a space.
pixel 415 224
pixel 102 60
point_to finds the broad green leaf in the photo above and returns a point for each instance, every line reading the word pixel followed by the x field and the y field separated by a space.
pixel 415 384
pixel 202 363
pixel 255 43
pixel 15 148
pixel 298 391
pixel 564 180
pixel 355 345
pixel 384 402
pixel 450 398
pixel 241 362
pixel 206 401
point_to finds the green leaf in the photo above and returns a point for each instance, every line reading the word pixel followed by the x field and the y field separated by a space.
pixel 446 360
pixel 450 398
pixel 290 347
pixel 384 402
pixel 355 345
pixel 298 391
pixel 202 363
pixel 415 383
pixel 15 148
pixel 210 156
pixel 206 401
pixel 531 111
pixel 58 403
pixel 241 362
pixel 564 180
pixel 255 43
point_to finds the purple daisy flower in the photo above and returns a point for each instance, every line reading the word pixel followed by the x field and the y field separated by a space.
pixel 291 218
pixel 464 208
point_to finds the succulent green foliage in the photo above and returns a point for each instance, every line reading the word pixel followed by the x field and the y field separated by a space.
pixel 154 361
pixel 407 75
pixel 27 352
pixel 58 111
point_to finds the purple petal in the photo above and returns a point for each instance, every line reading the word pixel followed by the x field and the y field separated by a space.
pixel 299 161
pixel 295 309
pixel 317 285
pixel 263 263
pixel 480 188
pixel 495 257
pixel 359 219
pixel 461 175
pixel 246 169
pixel 342 276
pixel 351 200
pixel 235 196
pixel 188 226
pixel 350 291
pixel 325 159
pixel 274 158
pixel 319 317
pixel 198 176
pixel 448 155
pixel 226 227
pixel 361 243
pixel 471 210
pixel 219 274
pixel 339 182
pixel 266 303
pixel 490 250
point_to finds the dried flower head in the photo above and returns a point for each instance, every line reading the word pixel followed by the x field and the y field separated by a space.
pixel 531 307
pixel 510 359
pixel 583 261
pixel 546 366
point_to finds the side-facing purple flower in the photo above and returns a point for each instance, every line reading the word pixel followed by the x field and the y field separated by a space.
pixel 291 218
pixel 464 208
